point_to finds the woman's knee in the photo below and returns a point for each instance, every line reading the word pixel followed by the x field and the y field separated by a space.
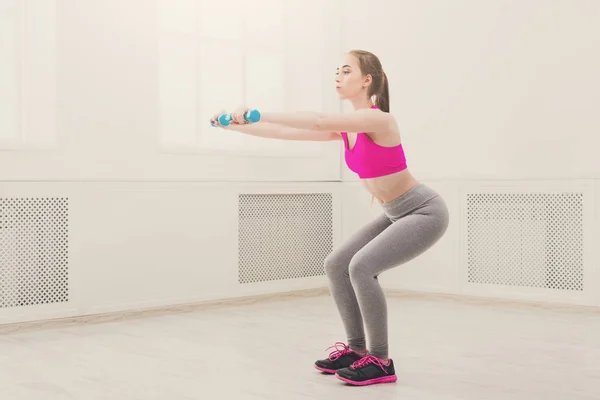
pixel 335 265
pixel 359 268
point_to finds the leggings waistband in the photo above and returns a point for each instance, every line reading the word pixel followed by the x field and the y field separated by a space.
pixel 414 198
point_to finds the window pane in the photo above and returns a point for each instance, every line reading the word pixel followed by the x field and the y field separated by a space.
pixel 177 86
pixel 265 89
pixel 7 5
pixel 265 85
pixel 221 19
pixel 305 78
pixel 263 22
pixel 178 16
pixel 220 87
pixel 38 71
pixel 311 24
pixel 9 78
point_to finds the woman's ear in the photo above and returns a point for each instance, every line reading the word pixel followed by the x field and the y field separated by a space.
pixel 368 80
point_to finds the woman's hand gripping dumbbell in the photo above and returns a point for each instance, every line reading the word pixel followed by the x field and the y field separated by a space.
pixel 239 117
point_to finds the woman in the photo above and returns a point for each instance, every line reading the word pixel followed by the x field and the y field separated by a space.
pixel 414 216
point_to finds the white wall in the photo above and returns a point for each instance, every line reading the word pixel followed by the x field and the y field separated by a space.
pixel 491 97
pixel 111 99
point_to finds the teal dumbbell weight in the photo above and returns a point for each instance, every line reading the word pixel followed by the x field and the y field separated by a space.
pixel 251 116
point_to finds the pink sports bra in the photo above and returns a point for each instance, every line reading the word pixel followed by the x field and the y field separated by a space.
pixel 370 160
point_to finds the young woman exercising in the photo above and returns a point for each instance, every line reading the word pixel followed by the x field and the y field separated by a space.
pixel 414 216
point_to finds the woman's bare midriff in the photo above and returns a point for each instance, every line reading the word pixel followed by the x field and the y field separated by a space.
pixel 390 187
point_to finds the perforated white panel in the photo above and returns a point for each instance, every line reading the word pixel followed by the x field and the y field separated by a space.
pixel 284 236
pixel 527 240
pixel 33 251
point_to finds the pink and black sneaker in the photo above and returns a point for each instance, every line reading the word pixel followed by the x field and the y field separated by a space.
pixel 368 371
pixel 342 357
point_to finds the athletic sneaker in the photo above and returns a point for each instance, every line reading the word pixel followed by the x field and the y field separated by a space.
pixel 341 357
pixel 367 371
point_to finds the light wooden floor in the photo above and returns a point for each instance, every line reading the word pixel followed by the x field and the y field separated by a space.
pixel 443 349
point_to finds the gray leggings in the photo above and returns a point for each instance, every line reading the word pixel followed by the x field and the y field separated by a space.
pixel 409 226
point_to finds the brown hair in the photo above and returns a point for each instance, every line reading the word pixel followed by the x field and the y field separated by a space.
pixel 370 65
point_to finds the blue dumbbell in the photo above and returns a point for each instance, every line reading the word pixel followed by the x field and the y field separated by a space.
pixel 251 116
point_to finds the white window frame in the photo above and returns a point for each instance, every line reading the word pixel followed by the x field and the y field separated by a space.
pixel 201 145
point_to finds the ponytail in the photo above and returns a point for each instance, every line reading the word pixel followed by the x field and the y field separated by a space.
pixel 383 97
pixel 379 88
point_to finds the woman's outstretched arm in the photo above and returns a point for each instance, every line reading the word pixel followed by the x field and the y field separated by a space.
pixel 276 131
